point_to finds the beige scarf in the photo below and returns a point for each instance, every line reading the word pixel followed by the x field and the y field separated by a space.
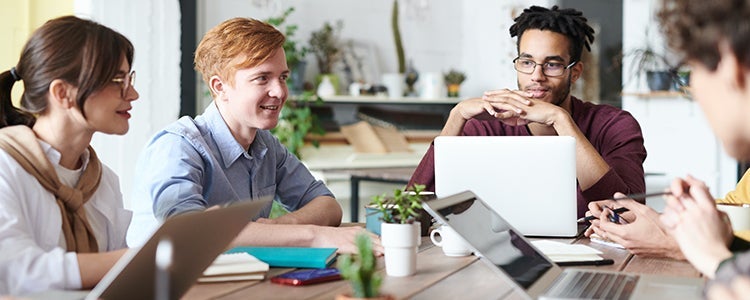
pixel 21 143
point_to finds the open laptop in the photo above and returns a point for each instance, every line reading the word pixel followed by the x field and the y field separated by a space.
pixel 519 177
pixel 531 273
pixel 196 238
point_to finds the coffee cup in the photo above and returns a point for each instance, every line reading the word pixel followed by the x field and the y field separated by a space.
pixel 447 238
pixel 738 213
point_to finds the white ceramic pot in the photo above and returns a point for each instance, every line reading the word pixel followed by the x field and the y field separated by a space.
pixel 394 82
pixel 400 242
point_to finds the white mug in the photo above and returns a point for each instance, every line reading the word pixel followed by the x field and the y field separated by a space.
pixel 450 241
pixel 738 213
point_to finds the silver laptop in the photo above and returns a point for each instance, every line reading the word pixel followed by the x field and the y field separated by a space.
pixel 531 273
pixel 196 238
pixel 517 176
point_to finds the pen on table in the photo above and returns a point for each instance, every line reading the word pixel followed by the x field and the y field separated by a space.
pixel 622 209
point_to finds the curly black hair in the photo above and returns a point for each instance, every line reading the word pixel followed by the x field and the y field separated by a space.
pixel 568 22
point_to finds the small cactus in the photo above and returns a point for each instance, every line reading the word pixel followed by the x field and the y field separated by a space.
pixel 360 270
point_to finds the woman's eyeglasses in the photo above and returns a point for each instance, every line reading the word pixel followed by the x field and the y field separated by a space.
pixel 125 83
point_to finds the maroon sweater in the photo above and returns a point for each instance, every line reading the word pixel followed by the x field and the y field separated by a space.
pixel 613 132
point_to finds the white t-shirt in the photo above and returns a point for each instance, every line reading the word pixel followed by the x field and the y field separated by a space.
pixel 33 254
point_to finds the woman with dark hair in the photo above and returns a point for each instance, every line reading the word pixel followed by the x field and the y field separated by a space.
pixel 62 221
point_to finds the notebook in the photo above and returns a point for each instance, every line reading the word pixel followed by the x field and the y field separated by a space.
pixel 235 267
pixel 197 239
pixel 291 257
pixel 531 273
pixel 519 176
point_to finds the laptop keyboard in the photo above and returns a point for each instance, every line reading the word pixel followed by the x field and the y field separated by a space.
pixel 592 285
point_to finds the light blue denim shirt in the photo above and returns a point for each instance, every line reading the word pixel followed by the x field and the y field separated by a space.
pixel 196 163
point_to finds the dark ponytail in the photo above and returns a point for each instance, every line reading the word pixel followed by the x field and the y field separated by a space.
pixel 9 114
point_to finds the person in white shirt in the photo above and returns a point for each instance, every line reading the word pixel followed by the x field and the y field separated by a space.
pixel 62 221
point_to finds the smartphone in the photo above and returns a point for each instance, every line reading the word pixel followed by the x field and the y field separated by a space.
pixel 307 276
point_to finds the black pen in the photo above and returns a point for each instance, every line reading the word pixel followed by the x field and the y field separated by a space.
pixel 622 209
pixel 601 262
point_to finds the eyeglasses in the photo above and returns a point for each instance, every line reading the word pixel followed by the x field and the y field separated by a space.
pixel 551 69
pixel 125 83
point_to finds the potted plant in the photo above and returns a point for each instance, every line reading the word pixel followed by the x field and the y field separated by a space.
pixel 648 60
pixel 324 44
pixel 295 53
pixel 453 80
pixel 400 230
pixel 296 121
pixel 360 271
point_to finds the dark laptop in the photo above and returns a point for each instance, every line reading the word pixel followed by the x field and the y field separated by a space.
pixel 196 240
pixel 531 273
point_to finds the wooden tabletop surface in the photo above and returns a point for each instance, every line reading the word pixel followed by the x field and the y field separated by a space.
pixel 438 277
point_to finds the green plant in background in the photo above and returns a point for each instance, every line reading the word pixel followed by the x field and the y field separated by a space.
pixel 403 207
pixel 325 45
pixel 397 38
pixel 360 270
pixel 295 52
pixel 297 121
pixel 454 77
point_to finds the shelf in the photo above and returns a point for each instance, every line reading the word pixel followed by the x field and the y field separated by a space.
pixel 657 94
pixel 386 100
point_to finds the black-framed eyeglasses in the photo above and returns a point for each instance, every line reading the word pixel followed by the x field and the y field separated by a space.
pixel 125 83
pixel 549 68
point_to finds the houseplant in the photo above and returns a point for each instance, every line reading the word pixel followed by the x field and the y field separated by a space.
pixel 360 271
pixel 324 44
pixel 453 80
pixel 646 60
pixel 296 121
pixel 295 53
pixel 400 230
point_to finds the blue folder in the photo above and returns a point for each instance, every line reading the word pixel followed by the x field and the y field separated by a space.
pixel 291 257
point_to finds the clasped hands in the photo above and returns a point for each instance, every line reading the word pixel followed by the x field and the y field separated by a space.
pixel 512 107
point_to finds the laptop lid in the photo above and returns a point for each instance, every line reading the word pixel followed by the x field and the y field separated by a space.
pixel 517 176
pixel 197 239
pixel 496 242
pixel 525 267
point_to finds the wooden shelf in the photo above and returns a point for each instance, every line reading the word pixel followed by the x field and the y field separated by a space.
pixel 657 94
pixel 386 100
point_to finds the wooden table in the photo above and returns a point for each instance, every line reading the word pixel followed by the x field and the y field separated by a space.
pixel 437 277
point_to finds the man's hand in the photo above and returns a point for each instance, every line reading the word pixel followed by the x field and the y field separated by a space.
pixel 643 233
pixel 343 239
pixel 516 108
pixel 702 231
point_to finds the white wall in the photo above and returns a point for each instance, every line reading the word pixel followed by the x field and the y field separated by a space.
pixel 468 35
pixel 154 29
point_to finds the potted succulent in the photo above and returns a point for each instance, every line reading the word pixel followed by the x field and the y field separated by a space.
pixel 400 230
pixel 360 271
pixel 324 44
pixel 453 80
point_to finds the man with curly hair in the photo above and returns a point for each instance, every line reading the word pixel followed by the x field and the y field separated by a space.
pixel 609 143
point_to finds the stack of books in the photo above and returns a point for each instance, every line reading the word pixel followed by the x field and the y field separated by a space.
pixel 291 257
pixel 235 267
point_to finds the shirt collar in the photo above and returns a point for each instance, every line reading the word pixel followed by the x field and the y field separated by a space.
pixel 228 147
pixel 54 156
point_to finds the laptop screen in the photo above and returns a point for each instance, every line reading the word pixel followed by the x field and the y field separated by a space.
pixel 496 240
pixel 511 186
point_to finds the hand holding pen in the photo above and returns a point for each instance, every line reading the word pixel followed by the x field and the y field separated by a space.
pixel 617 211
